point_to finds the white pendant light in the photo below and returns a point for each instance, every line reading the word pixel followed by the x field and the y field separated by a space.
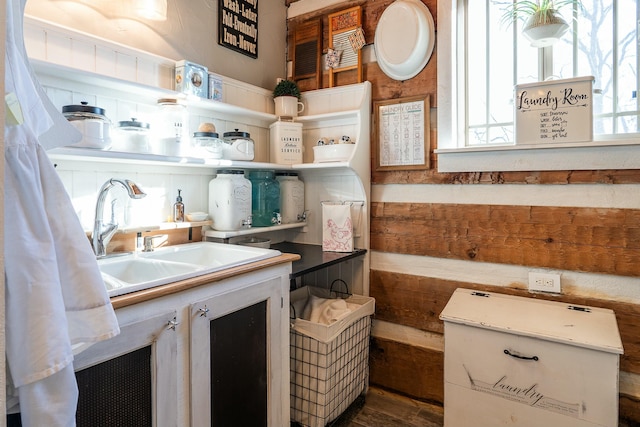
pixel 155 10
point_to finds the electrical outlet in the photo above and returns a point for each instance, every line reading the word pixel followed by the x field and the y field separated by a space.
pixel 544 282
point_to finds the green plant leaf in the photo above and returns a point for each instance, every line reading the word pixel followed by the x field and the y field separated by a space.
pixel 287 88
pixel 523 9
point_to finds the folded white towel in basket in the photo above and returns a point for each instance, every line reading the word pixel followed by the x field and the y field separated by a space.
pixel 325 311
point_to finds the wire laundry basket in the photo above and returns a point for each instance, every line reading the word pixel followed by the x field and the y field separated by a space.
pixel 329 364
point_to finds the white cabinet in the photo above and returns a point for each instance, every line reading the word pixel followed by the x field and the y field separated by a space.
pixel 131 378
pixel 168 342
pixel 526 362
pixel 237 349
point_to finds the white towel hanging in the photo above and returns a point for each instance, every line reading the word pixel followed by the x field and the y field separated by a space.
pixel 337 227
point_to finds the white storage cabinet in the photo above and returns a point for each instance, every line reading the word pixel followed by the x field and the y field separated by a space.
pixel 525 362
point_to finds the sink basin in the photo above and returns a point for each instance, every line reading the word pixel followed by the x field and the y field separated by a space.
pixel 135 272
pixel 208 254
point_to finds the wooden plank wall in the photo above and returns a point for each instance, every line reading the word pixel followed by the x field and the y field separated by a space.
pixel 580 239
pixel 590 240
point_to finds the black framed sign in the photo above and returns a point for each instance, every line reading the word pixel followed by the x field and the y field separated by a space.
pixel 238 26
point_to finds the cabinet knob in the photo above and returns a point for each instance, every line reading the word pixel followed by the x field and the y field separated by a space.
pixel 203 311
pixel 171 324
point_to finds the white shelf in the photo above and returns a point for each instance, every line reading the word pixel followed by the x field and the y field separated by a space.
pixel 108 156
pixel 157 227
pixel 48 72
pixel 322 166
pixel 253 230
pixel 337 116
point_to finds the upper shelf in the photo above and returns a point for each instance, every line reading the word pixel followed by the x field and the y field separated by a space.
pixel 48 71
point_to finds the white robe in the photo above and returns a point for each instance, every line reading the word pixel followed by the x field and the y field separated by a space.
pixel 56 303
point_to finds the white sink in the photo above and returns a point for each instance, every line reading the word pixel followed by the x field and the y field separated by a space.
pixel 135 272
pixel 211 254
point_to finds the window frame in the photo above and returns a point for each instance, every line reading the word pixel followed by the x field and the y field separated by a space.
pixel 602 153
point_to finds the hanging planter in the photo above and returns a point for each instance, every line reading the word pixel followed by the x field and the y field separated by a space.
pixel 543 24
pixel 544 29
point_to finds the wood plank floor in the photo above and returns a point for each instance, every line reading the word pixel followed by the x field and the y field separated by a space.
pixel 380 408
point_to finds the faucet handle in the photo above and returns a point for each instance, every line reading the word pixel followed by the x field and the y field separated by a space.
pixel 148 242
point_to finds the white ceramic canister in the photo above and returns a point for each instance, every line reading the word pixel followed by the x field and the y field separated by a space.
pixel 229 200
pixel 286 143
pixel 291 197
pixel 238 146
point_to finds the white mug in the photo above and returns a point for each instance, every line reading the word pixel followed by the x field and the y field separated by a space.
pixel 288 106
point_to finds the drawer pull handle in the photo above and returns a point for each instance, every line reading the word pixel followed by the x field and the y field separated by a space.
pixel 480 294
pixel 576 308
pixel 517 356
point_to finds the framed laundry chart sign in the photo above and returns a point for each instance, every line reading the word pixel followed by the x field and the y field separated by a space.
pixel 401 128
pixel 238 26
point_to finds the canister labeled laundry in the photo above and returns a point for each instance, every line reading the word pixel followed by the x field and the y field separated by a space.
pixel 286 143
pixel 291 197
pixel 229 200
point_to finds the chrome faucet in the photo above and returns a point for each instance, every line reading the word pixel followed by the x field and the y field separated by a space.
pixel 102 233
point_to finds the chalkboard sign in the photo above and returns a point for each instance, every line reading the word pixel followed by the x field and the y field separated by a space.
pixel 555 111
pixel 238 26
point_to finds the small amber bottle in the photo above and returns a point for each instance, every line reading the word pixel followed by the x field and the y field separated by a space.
pixel 178 209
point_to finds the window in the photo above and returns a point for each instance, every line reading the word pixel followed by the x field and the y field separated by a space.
pixel 489 57
pixel 602 42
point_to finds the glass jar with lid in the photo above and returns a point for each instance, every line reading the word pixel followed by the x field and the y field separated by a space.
pixel 172 128
pixel 238 146
pixel 265 198
pixel 207 145
pixel 132 136
pixel 291 197
pixel 92 123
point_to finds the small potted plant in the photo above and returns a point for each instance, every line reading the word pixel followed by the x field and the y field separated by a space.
pixel 544 25
pixel 286 96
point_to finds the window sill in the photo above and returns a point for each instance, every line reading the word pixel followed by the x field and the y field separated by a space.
pixel 595 155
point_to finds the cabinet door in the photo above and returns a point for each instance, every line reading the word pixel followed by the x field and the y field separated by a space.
pixel 130 379
pixel 237 349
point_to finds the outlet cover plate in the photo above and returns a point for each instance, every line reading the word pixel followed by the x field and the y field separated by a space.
pixel 544 282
